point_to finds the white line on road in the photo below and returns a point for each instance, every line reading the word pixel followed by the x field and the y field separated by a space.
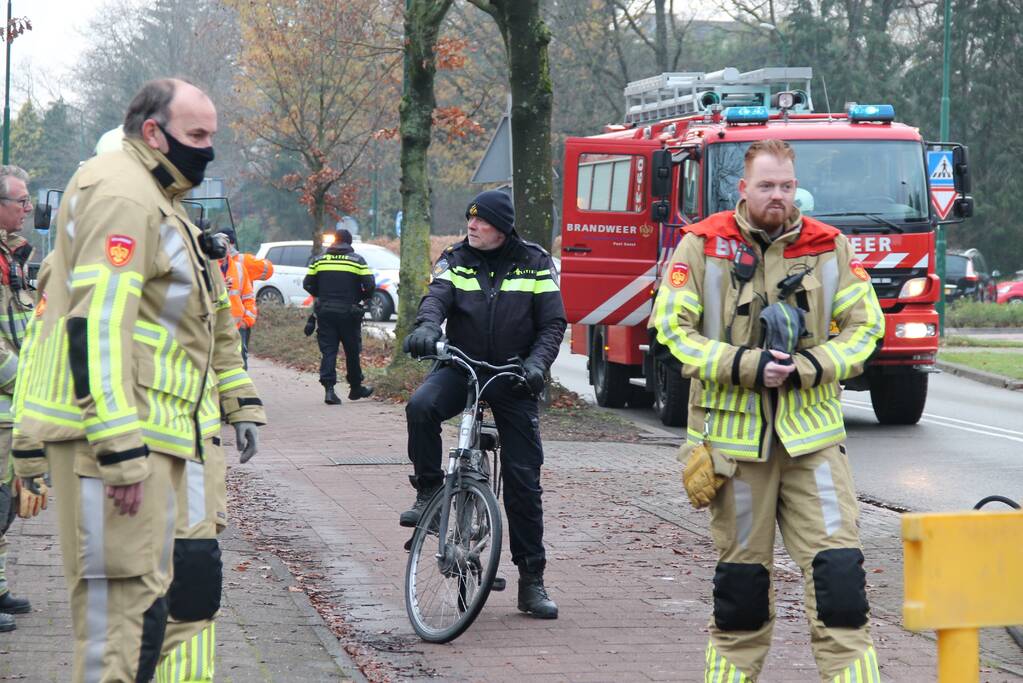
pixel 942 421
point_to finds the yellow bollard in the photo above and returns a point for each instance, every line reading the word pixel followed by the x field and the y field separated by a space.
pixel 959 655
pixel 963 571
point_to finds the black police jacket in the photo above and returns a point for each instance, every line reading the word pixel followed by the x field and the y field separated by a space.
pixel 514 311
pixel 339 279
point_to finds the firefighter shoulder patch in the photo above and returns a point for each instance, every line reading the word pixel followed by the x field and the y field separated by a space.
pixel 41 306
pixel 120 249
pixel 856 266
pixel 679 275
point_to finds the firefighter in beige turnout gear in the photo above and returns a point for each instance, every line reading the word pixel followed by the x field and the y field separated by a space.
pixel 774 420
pixel 15 311
pixel 129 363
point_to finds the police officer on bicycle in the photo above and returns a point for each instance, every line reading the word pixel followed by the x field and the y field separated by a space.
pixel 500 297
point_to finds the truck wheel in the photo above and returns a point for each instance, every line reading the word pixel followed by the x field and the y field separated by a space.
pixel 671 394
pixel 610 380
pixel 898 399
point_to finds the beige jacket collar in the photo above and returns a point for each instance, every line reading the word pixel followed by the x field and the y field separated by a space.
pixel 152 158
pixel 755 235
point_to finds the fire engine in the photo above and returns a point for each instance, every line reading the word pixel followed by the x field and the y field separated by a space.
pixel 630 191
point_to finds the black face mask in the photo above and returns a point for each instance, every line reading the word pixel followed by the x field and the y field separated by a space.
pixel 190 161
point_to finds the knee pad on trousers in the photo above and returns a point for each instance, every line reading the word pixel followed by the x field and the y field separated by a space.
pixel 154 626
pixel 741 596
pixel 194 594
pixel 841 587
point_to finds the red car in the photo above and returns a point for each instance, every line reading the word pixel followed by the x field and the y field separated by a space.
pixel 1010 292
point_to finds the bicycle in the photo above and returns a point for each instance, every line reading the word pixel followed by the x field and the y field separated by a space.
pixel 444 594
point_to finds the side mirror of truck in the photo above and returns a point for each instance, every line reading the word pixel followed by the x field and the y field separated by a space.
pixel 660 211
pixel 961 169
pixel 43 215
pixel 660 174
pixel 963 207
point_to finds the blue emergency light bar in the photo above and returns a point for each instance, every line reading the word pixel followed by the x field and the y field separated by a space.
pixel 747 115
pixel 871 112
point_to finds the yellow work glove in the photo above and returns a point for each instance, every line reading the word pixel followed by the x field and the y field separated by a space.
pixel 705 472
pixel 31 495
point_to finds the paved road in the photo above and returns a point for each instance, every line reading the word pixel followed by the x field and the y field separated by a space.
pixel 968 445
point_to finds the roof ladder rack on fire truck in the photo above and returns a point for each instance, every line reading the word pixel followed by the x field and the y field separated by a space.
pixel 683 93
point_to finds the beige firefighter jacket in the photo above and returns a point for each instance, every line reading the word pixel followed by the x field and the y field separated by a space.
pixel 710 322
pixel 15 312
pixel 132 345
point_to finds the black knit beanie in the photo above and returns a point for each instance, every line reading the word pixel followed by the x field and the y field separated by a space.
pixel 495 207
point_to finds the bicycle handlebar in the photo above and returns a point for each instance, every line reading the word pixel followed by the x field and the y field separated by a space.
pixel 445 351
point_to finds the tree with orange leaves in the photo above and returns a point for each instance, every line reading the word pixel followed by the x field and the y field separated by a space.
pixel 314 78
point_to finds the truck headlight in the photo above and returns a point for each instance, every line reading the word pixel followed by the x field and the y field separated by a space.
pixel 913 288
pixel 915 330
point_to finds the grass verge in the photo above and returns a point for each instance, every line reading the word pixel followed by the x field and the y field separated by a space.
pixel 977 342
pixel 278 337
pixel 1007 364
pixel 975 314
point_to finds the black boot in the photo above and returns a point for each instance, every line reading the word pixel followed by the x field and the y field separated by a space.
pixel 12 605
pixel 7 623
pixel 412 516
pixel 533 598
pixel 359 391
pixel 330 398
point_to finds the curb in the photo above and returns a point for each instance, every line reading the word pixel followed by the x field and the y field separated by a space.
pixel 989 378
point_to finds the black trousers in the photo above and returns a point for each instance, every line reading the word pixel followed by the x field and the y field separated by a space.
pixel 441 397
pixel 333 329
pixel 245 333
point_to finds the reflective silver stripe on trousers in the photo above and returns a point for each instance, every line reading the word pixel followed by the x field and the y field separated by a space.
pixel 743 496
pixel 168 538
pixel 713 300
pixel 829 498
pixel 195 475
pixel 94 573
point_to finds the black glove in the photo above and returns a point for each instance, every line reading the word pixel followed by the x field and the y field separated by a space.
pixel 310 325
pixel 534 375
pixel 423 340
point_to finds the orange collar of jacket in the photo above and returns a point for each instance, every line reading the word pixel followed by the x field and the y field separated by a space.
pixel 815 237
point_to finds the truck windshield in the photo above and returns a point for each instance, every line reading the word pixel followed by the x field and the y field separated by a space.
pixel 843 180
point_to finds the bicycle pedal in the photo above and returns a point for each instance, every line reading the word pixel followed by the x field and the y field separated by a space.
pixel 499 584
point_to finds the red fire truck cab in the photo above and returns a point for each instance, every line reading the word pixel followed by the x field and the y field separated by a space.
pixel 630 191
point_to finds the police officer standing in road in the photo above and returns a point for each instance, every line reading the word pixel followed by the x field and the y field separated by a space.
pixel 128 365
pixel 341 282
pixel 500 297
pixel 765 433
pixel 15 311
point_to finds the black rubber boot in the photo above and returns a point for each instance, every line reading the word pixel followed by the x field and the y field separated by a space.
pixel 7 623
pixel 359 391
pixel 412 516
pixel 12 605
pixel 330 398
pixel 533 598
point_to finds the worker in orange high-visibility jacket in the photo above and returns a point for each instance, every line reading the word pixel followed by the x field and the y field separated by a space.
pixel 239 291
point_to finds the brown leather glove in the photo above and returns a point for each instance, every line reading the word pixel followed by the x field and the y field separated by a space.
pixel 704 474
pixel 32 494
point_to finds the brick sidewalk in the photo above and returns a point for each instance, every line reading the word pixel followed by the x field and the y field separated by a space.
pixel 265 632
pixel 630 564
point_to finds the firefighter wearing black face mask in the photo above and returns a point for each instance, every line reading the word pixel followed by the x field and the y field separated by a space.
pixel 130 361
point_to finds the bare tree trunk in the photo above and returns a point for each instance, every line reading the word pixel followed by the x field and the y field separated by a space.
pixel 526 38
pixel 422 24
pixel 661 36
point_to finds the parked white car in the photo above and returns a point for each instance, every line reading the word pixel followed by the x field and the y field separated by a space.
pixel 291 262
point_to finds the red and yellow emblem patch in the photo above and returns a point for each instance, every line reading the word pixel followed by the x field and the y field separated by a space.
pixel 679 275
pixel 858 270
pixel 41 306
pixel 120 249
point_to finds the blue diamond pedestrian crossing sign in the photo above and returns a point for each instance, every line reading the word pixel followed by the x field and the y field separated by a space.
pixel 942 181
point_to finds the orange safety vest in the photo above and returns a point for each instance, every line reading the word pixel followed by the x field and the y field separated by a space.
pixel 258 268
pixel 239 290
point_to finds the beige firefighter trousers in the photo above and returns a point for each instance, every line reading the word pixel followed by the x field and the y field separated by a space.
pixel 189 646
pixel 117 567
pixel 812 499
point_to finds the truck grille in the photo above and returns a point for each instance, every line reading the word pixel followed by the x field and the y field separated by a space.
pixel 888 281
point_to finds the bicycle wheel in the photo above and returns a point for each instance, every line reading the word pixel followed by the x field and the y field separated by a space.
pixel 444 595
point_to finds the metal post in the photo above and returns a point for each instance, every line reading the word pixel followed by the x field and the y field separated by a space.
pixel 958 655
pixel 939 246
pixel 7 90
